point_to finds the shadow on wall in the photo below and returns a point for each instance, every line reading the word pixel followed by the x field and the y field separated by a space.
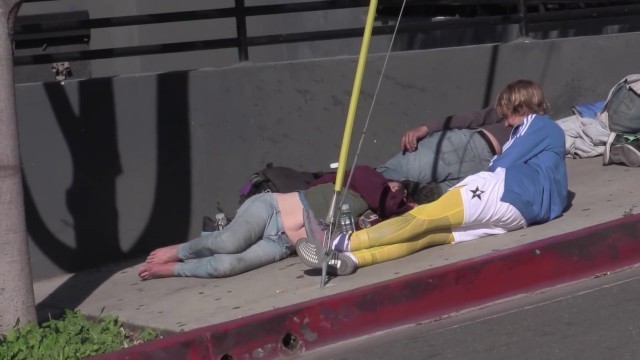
pixel 91 138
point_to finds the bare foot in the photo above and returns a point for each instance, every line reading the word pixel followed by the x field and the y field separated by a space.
pixel 156 271
pixel 163 255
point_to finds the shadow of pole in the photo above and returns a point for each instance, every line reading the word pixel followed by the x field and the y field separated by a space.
pixel 170 220
pixel 91 199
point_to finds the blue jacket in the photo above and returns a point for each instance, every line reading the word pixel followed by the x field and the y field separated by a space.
pixel 535 169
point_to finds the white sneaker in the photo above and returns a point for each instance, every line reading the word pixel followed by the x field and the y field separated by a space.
pixel 341 264
pixel 627 154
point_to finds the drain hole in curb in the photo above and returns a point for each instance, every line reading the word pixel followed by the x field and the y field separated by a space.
pixel 226 357
pixel 290 341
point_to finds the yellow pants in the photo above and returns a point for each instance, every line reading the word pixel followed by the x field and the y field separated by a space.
pixel 425 226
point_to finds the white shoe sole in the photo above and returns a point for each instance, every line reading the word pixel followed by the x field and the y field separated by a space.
pixel 310 253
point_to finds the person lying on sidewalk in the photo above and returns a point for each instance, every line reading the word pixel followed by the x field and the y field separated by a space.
pixel 441 153
pixel 525 185
pixel 268 225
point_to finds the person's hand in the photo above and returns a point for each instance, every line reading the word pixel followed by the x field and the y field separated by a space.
pixel 410 138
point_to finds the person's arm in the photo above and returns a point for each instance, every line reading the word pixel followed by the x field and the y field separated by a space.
pixel 464 120
pixel 409 141
pixel 521 150
pixel 524 147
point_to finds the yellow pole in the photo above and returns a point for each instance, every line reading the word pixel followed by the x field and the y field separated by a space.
pixel 357 84
pixel 348 128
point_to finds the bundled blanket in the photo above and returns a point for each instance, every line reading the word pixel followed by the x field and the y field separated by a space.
pixel 585 134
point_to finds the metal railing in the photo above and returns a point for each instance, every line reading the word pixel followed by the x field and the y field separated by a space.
pixel 520 15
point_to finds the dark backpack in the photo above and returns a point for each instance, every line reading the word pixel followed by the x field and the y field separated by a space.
pixel 280 179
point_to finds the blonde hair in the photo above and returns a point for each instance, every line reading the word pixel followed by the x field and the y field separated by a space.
pixel 521 98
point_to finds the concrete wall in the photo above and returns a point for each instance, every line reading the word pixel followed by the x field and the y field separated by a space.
pixel 117 166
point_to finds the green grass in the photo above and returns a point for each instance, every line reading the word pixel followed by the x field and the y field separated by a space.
pixel 71 337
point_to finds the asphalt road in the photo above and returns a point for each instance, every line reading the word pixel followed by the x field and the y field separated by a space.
pixel 597 318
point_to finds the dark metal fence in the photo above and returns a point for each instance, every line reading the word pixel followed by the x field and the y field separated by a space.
pixel 483 12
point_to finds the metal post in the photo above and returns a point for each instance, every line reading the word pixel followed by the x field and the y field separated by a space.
pixel 241 31
pixel 348 128
pixel 522 10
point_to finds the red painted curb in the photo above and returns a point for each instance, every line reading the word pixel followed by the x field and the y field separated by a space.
pixel 406 300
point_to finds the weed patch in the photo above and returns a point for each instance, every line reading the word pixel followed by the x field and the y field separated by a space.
pixel 71 337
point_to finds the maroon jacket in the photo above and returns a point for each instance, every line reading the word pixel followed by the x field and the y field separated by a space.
pixel 373 189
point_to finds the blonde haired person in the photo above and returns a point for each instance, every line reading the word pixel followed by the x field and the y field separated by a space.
pixel 525 185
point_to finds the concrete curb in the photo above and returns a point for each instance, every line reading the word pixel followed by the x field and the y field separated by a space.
pixel 406 300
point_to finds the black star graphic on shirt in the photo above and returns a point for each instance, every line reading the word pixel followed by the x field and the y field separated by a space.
pixel 477 193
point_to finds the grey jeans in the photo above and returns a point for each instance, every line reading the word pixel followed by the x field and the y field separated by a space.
pixel 445 157
pixel 253 239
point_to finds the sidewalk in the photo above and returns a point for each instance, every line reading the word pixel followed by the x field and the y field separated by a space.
pixel 602 194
